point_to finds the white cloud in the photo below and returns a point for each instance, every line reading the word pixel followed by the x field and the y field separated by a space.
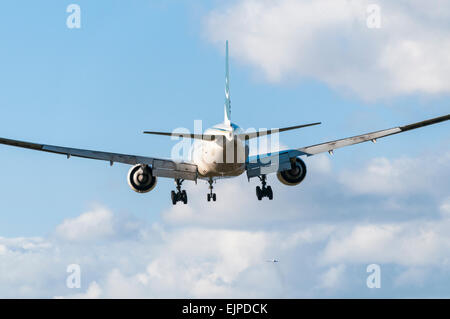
pixel 445 208
pixel 328 40
pixel 414 243
pixel 200 263
pixel 320 164
pixel 94 224
pixel 399 176
pixel 22 244
pixel 93 292
pixel 333 277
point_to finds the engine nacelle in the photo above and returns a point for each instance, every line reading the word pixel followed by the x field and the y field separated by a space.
pixel 141 179
pixel 293 176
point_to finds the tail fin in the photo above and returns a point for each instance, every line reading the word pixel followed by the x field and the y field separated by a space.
pixel 227 111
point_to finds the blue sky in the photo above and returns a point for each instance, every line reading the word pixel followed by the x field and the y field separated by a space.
pixel 159 65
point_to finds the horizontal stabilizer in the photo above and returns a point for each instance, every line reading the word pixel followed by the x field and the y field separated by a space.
pixel 186 135
pixel 251 135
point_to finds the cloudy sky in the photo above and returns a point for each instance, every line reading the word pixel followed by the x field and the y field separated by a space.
pixel 158 65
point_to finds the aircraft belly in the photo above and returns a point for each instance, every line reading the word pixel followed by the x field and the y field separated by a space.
pixel 221 169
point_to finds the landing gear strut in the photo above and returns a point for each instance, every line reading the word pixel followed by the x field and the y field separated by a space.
pixel 264 191
pixel 211 195
pixel 179 195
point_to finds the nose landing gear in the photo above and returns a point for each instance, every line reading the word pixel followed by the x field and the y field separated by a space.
pixel 179 195
pixel 264 191
pixel 211 195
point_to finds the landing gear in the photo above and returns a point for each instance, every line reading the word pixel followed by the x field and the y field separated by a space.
pixel 179 195
pixel 264 191
pixel 211 195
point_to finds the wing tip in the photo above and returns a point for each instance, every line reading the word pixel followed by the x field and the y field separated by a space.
pixel 425 123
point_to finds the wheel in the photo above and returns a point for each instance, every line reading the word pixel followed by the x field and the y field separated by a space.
pixel 208 196
pixel 184 197
pixel 174 197
pixel 269 192
pixel 214 197
pixel 258 192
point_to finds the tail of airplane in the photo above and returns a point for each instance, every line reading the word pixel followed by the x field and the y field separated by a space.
pixel 227 106
pixel 227 116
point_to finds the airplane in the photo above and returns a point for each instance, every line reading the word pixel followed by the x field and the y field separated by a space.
pixel 221 152
pixel 272 261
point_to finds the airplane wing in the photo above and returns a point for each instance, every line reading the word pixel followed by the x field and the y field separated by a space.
pixel 278 161
pixel 160 167
pixel 373 136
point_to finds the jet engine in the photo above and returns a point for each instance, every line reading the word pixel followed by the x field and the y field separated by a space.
pixel 295 175
pixel 140 178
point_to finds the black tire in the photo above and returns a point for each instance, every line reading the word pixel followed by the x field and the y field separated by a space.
pixel 214 197
pixel 258 192
pixel 184 197
pixel 269 192
pixel 208 197
pixel 174 197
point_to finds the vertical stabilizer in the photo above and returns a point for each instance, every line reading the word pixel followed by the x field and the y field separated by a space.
pixel 227 117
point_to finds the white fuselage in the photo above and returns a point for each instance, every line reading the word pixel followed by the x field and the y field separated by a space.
pixel 224 156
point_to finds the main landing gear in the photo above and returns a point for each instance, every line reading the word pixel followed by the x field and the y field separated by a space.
pixel 264 191
pixel 211 195
pixel 179 195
